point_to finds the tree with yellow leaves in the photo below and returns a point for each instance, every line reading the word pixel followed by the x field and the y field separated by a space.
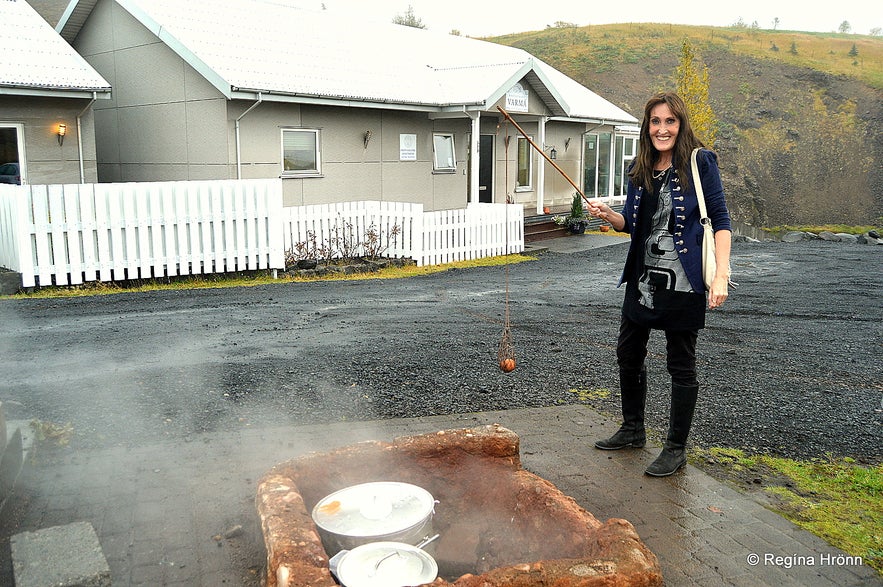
pixel 692 85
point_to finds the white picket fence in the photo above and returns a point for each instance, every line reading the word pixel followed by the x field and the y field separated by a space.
pixel 70 234
pixel 405 230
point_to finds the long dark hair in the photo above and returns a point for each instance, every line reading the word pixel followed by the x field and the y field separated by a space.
pixel 642 170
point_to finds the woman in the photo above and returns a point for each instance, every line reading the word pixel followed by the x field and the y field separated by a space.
pixel 663 272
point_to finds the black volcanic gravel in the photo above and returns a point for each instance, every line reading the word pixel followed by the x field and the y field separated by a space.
pixel 791 365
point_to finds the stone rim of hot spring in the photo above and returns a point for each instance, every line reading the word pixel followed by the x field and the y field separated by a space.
pixel 499 524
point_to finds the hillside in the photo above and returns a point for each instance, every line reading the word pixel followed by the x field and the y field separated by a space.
pixel 799 113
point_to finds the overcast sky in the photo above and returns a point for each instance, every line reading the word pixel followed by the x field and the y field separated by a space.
pixel 478 18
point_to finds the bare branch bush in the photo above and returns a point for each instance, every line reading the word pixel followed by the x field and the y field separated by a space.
pixel 374 245
pixel 348 242
pixel 343 243
pixel 303 250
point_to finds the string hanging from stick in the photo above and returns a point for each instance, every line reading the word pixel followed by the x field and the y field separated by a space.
pixel 506 351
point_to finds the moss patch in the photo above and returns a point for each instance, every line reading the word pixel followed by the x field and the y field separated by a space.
pixel 835 499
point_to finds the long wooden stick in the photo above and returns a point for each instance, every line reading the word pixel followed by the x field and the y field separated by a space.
pixel 541 152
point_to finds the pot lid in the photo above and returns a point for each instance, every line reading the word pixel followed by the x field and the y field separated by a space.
pixel 373 509
pixel 386 564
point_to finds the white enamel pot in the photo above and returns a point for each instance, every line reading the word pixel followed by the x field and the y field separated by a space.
pixel 384 511
pixel 386 564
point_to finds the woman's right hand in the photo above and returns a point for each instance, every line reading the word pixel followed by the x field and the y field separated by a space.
pixel 599 209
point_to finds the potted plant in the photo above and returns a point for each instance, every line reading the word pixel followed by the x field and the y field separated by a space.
pixel 577 221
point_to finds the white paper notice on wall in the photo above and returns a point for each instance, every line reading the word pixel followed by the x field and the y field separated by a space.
pixel 516 99
pixel 407 147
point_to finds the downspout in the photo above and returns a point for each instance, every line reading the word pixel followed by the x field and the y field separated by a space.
pixel 238 145
pixel 80 137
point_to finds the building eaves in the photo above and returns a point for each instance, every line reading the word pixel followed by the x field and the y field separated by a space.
pixel 73 18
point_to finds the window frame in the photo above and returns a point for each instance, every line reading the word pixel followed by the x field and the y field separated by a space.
pixel 523 142
pixel 625 151
pixel 317 152
pixel 437 167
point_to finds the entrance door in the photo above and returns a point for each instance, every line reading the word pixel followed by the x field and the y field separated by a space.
pixel 12 167
pixel 486 168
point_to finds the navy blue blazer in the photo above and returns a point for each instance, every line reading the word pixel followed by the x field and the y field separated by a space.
pixel 685 211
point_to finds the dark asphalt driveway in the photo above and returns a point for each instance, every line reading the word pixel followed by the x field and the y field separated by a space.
pixel 791 365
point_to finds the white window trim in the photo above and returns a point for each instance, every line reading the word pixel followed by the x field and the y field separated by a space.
pixel 529 186
pixel 437 167
pixel 305 172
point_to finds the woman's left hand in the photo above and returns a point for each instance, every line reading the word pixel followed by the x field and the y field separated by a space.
pixel 718 293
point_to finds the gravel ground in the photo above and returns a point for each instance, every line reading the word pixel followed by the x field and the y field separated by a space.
pixel 791 365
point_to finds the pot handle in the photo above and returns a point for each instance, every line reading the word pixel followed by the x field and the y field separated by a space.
pixel 427 540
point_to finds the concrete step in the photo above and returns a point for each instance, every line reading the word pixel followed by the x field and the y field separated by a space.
pixel 60 556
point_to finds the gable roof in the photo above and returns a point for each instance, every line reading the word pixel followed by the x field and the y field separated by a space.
pixel 36 61
pixel 248 48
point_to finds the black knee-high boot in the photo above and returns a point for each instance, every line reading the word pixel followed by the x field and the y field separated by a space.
pixel 633 392
pixel 674 453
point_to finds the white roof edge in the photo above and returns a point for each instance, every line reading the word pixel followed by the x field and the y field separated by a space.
pixel 517 76
pixel 619 124
pixel 66 15
pixel 248 94
pixel 98 94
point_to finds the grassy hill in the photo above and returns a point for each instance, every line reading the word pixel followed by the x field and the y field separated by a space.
pixel 799 113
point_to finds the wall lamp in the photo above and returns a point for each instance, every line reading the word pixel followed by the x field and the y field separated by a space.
pixel 62 130
pixel 367 137
pixel 553 153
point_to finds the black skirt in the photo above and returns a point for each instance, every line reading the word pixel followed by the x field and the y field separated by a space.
pixel 672 310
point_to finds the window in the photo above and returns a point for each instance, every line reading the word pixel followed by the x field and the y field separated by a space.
pixel 625 154
pixel 607 158
pixel 443 158
pixel 525 166
pixel 300 152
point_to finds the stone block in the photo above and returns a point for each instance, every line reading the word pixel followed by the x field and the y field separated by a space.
pixel 10 282
pixel 60 556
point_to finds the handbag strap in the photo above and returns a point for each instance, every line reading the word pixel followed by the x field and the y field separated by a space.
pixel 697 182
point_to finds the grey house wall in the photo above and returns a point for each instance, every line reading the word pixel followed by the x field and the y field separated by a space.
pixel 164 121
pixel 350 169
pixel 46 161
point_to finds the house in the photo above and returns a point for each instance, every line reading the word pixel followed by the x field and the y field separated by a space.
pixel 47 94
pixel 340 110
